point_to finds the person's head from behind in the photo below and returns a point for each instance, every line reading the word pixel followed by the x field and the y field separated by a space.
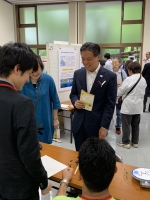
pixel 106 56
pixel 147 55
pixel 116 63
pixel 134 68
pixel 127 63
pixel 17 61
pixel 102 62
pixel 97 164
pixel 36 74
pixel 90 54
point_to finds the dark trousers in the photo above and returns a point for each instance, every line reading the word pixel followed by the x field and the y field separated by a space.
pixel 118 117
pixel 145 96
pixel 130 123
pixel 31 198
pixel 85 132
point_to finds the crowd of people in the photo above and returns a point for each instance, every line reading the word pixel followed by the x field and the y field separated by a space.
pixel 30 116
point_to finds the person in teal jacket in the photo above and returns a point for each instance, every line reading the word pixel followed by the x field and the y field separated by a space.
pixel 42 90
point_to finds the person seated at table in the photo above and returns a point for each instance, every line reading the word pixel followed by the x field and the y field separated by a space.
pixel 97 166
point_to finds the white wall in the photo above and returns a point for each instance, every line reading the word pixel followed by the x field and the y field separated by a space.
pixel 7 32
pixel 146 34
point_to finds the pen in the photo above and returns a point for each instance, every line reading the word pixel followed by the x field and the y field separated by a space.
pixel 76 169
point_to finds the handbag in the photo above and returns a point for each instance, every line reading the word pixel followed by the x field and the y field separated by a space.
pixel 120 99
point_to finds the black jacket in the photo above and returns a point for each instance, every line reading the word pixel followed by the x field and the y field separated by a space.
pixel 146 74
pixel 21 170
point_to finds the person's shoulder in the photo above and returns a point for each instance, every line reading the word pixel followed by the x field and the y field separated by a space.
pixel 47 77
pixel 147 65
pixel 62 197
pixel 23 98
pixel 79 71
pixel 20 99
pixel 108 72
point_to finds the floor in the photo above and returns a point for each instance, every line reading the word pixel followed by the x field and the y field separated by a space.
pixel 139 157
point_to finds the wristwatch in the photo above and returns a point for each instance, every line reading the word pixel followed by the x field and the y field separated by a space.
pixel 64 181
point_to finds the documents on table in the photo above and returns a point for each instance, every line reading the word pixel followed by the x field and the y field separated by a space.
pixel 88 100
pixel 52 166
pixel 67 107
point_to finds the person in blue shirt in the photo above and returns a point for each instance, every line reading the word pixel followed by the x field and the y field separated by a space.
pixel 42 90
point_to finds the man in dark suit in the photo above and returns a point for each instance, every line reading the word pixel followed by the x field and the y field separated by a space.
pixel 21 169
pixel 100 82
pixel 146 75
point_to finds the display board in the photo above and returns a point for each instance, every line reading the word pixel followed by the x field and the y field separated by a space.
pixel 54 67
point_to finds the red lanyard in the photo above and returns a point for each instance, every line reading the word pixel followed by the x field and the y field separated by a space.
pixel 106 198
pixel 9 86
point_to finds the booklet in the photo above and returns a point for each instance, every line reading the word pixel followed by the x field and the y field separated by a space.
pixel 88 100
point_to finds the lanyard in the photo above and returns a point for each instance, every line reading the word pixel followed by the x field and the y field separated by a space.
pixel 9 86
pixel 106 198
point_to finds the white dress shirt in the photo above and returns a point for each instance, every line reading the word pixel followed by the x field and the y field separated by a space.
pixel 90 78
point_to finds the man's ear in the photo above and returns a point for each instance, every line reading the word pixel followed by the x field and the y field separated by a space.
pixel 79 176
pixel 99 57
pixel 16 69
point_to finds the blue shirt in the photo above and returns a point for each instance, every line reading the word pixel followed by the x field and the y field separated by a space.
pixel 45 99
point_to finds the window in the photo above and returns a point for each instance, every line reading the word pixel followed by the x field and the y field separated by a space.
pixel 53 23
pixel 27 15
pixel 103 22
pixel 131 33
pixel 133 10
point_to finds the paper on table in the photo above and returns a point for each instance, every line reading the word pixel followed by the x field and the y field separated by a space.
pixel 88 100
pixel 64 106
pixel 52 166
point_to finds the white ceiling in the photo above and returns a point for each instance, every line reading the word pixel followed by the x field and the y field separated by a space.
pixel 17 2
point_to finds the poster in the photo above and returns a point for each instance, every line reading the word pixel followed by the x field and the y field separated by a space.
pixel 81 64
pixel 67 66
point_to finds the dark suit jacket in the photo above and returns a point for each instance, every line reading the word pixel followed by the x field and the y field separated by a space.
pixel 104 101
pixel 146 74
pixel 21 170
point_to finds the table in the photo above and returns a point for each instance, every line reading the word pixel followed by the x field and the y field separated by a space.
pixel 69 109
pixel 122 187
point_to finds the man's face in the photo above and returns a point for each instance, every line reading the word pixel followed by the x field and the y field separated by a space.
pixel 89 61
pixel 115 64
pixel 21 79
pixel 147 55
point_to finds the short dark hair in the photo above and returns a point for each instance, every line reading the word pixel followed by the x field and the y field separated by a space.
pixel 107 55
pixel 102 62
pixel 40 62
pixel 89 46
pixel 97 162
pixel 12 54
pixel 135 67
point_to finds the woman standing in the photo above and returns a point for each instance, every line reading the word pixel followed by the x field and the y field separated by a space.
pixel 42 90
pixel 132 105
